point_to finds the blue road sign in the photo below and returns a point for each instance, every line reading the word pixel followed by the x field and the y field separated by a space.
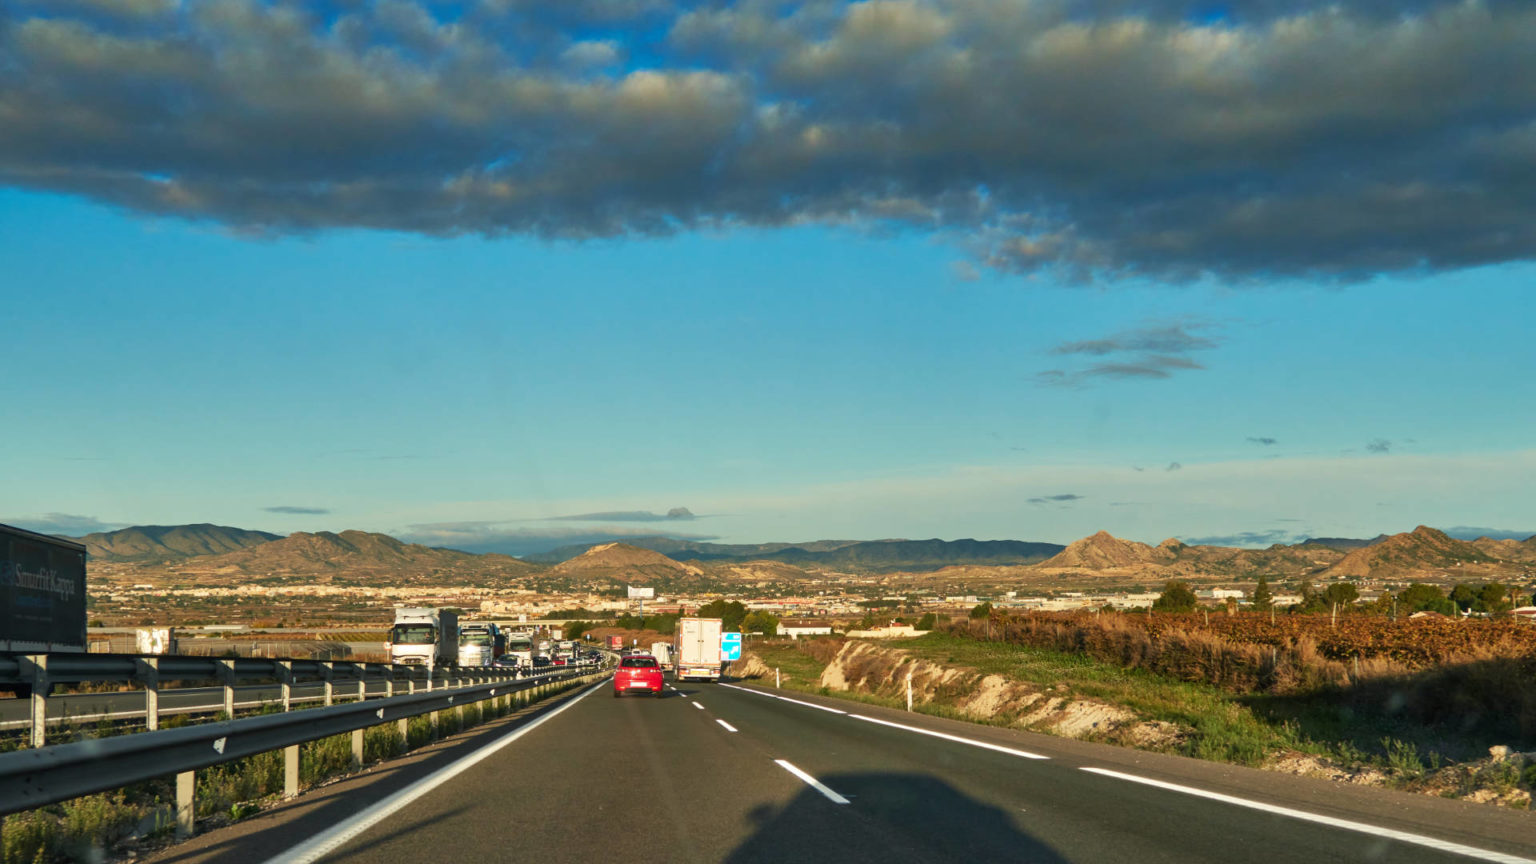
pixel 730 646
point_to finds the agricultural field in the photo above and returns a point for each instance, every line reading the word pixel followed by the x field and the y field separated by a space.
pixel 1414 643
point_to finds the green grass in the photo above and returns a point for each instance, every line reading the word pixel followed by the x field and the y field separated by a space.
pixel 1221 726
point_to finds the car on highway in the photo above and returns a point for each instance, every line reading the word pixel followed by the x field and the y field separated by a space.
pixel 507 661
pixel 540 664
pixel 637 673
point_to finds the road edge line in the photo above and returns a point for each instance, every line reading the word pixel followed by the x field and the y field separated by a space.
pixel 1331 821
pixel 1025 754
pixel 323 844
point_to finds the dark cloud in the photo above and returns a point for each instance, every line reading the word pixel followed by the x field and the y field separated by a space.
pixel 1147 353
pixel 1174 466
pixel 676 514
pixel 1263 442
pixel 1165 339
pixel 1063 498
pixel 1379 445
pixel 64 524
pixel 1093 138
pixel 511 539
pixel 1246 538
pixel 298 511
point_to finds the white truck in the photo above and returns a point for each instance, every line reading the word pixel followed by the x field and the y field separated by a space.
pixel 662 651
pixel 697 654
pixel 479 643
pixel 424 636
pixel 521 646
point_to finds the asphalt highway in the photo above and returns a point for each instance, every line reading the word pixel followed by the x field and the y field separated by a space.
pixel 716 773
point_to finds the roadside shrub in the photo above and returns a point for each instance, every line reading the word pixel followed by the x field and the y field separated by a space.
pixel 382 742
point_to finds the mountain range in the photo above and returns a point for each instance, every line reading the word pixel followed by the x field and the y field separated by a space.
pixel 215 552
pixel 855 555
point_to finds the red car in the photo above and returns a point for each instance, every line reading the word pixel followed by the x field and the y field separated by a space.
pixel 638 673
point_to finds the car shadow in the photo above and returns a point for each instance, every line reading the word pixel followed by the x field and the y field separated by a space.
pixel 890 818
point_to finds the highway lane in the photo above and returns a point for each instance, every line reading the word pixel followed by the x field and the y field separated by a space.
pixel 667 780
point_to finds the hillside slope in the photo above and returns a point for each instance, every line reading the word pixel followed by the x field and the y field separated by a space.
pixel 167 542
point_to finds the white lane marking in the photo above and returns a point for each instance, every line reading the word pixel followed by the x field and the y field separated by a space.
pixel 1345 824
pixel 812 782
pixel 699 705
pixel 785 699
pixel 323 844
pixel 728 727
pixel 971 741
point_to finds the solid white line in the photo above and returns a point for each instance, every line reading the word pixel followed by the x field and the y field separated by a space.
pixel 812 782
pixel 974 743
pixel 728 727
pixel 785 699
pixel 323 844
pixel 1345 824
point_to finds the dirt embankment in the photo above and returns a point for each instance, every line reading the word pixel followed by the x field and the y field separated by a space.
pixel 866 668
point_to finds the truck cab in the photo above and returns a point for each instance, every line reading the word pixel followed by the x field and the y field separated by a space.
pixel 424 637
pixel 478 644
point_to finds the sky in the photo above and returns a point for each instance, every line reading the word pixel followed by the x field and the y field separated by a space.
pixel 504 275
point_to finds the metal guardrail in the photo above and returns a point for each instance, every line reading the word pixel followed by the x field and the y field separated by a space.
pixel 45 775
pixel 36 675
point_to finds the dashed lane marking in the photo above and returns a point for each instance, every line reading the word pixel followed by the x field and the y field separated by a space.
pixel 812 782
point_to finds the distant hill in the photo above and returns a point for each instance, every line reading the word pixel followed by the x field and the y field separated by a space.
pixel 681 550
pixel 1103 551
pixel 867 555
pixel 1343 544
pixel 1172 558
pixel 326 556
pixel 167 542
pixel 624 563
pixel 1421 550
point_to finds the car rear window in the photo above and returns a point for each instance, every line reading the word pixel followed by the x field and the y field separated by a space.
pixel 638 663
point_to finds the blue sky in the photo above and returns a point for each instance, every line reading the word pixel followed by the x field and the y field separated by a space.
pixel 786 384
pixel 457 342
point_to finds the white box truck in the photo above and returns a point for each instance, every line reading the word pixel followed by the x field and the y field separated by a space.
pixel 697 654
pixel 662 651
pixel 423 636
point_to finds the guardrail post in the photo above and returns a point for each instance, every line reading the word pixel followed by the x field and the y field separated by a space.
pixel 291 771
pixel 227 673
pixel 35 667
pixel 285 680
pixel 186 806
pixel 357 749
pixel 149 674
pixel 362 681
pixel 328 672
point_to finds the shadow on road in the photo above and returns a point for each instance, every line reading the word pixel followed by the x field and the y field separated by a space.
pixel 892 817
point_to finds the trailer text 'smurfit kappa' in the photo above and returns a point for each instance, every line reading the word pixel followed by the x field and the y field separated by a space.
pixel 42 592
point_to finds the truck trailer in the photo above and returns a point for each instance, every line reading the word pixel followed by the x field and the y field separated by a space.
pixel 697 649
pixel 42 592
pixel 424 636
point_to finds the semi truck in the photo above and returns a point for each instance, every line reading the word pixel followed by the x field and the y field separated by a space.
pixel 480 643
pixel 616 643
pixel 521 646
pixel 424 636
pixel 662 651
pixel 696 653
pixel 42 592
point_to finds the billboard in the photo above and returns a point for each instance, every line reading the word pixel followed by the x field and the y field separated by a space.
pixel 641 593
pixel 42 593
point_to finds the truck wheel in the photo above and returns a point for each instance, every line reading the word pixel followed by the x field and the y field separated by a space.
pixel 615 694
